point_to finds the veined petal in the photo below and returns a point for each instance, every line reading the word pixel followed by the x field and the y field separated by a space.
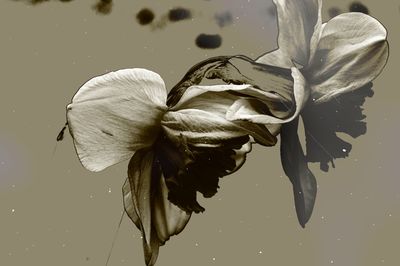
pixel 352 51
pixel 299 24
pixel 276 58
pixel 272 84
pixel 113 115
pixel 168 219
pixel 248 109
pixel 146 202
pixel 198 127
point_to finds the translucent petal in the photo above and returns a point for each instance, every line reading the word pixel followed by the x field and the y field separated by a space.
pixel 113 115
pixel 352 51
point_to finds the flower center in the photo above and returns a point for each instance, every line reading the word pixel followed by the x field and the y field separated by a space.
pixel 188 169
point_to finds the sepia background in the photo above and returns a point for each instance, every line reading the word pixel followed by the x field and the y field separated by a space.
pixel 54 212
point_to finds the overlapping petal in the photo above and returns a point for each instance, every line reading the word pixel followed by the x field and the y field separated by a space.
pixel 352 51
pixel 249 109
pixel 299 24
pixel 113 115
pixel 200 117
pixel 146 202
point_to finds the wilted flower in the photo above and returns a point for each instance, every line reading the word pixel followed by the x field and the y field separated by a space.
pixel 176 148
pixel 335 59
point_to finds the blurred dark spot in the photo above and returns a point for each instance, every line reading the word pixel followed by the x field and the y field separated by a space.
pixel 178 14
pixel 334 11
pixel 103 7
pixel 145 16
pixel 208 41
pixel 34 2
pixel 87 258
pixel 358 7
pixel 224 19
pixel 272 11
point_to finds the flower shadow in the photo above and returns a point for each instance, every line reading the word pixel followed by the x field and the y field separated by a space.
pixel 323 121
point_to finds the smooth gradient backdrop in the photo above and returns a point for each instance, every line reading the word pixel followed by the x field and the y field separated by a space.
pixel 53 212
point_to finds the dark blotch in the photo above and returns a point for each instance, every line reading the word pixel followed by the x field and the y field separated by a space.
pixel 334 11
pixel 224 19
pixel 189 169
pixel 178 14
pixel 272 11
pixel 358 7
pixel 103 7
pixel 208 41
pixel 145 16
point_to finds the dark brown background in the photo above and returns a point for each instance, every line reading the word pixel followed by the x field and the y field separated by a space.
pixel 54 212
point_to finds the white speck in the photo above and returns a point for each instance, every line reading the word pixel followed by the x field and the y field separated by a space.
pixel 91 196
pixel 390 215
pixel 141 237
pixel 331 261
pixel 213 259
pixel 109 190
pixel 373 224
pixel 13 210
pixel 344 150
pixel 351 193
pixel 197 244
pixel 13 186
pixel 260 252
pixel 322 217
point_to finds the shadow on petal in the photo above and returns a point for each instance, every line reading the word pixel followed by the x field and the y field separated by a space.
pixel 323 121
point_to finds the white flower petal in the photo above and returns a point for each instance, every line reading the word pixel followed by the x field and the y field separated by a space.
pixel 352 51
pixel 167 218
pixel 113 115
pixel 198 127
pixel 247 109
pixel 276 58
pixel 299 23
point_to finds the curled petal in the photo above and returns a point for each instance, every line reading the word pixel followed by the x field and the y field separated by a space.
pixel 113 115
pixel 253 110
pixel 146 202
pixel 299 26
pixel 352 51
pixel 272 84
pixel 200 127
